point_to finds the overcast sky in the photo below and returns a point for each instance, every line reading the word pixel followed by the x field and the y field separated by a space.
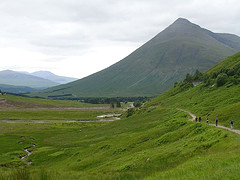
pixel 79 37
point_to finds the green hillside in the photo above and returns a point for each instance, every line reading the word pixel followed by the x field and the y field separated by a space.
pixel 153 68
pixel 155 141
pixel 209 98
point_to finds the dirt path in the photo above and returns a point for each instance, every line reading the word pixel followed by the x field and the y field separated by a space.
pixel 222 127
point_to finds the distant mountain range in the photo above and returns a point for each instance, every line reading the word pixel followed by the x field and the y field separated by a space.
pixel 53 77
pixel 153 68
pixel 22 82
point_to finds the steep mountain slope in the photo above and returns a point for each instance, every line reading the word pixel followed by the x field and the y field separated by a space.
pixel 53 77
pixel 181 48
pixel 19 79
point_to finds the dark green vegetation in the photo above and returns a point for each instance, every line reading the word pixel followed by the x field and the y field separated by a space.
pixel 154 141
pixel 20 79
pixel 181 48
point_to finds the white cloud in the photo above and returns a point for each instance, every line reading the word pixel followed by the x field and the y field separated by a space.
pixel 77 37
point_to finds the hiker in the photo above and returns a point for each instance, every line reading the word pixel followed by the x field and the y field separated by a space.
pixel 196 119
pixel 207 120
pixel 200 118
pixel 231 124
pixel 216 120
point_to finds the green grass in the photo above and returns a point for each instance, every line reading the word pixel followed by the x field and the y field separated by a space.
pixel 152 142
pixel 40 109
pixel 38 114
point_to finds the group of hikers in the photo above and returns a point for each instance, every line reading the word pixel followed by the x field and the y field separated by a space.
pixel 216 121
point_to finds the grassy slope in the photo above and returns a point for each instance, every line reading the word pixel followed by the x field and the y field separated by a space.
pixel 153 68
pixel 222 102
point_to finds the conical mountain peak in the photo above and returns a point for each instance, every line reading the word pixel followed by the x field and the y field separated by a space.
pixel 182 23
pixel 182 20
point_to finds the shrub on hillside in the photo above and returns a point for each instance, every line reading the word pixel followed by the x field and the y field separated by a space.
pixel 221 79
pixel 137 104
pixel 130 112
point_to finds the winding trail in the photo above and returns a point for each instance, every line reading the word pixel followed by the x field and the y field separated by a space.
pixel 222 127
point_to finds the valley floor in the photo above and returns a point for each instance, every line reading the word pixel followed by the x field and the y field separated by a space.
pixel 155 141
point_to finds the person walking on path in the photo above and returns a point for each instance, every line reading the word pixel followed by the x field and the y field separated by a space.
pixel 216 121
pixel 196 119
pixel 207 120
pixel 231 124
pixel 200 118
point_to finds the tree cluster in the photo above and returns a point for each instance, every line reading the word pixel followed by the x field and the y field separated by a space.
pixel 218 77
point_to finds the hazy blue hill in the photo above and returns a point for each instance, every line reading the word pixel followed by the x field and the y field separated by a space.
pixel 153 68
pixel 19 79
pixel 53 77
pixel 16 89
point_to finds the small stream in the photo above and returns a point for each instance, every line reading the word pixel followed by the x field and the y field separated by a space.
pixel 23 158
pixel 102 118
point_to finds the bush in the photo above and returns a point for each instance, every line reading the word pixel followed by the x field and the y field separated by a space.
pixel 118 104
pixel 130 112
pixel 221 79
pixel 137 104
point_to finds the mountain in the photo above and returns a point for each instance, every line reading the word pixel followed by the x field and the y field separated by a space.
pixel 9 77
pixel 153 68
pixel 53 77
